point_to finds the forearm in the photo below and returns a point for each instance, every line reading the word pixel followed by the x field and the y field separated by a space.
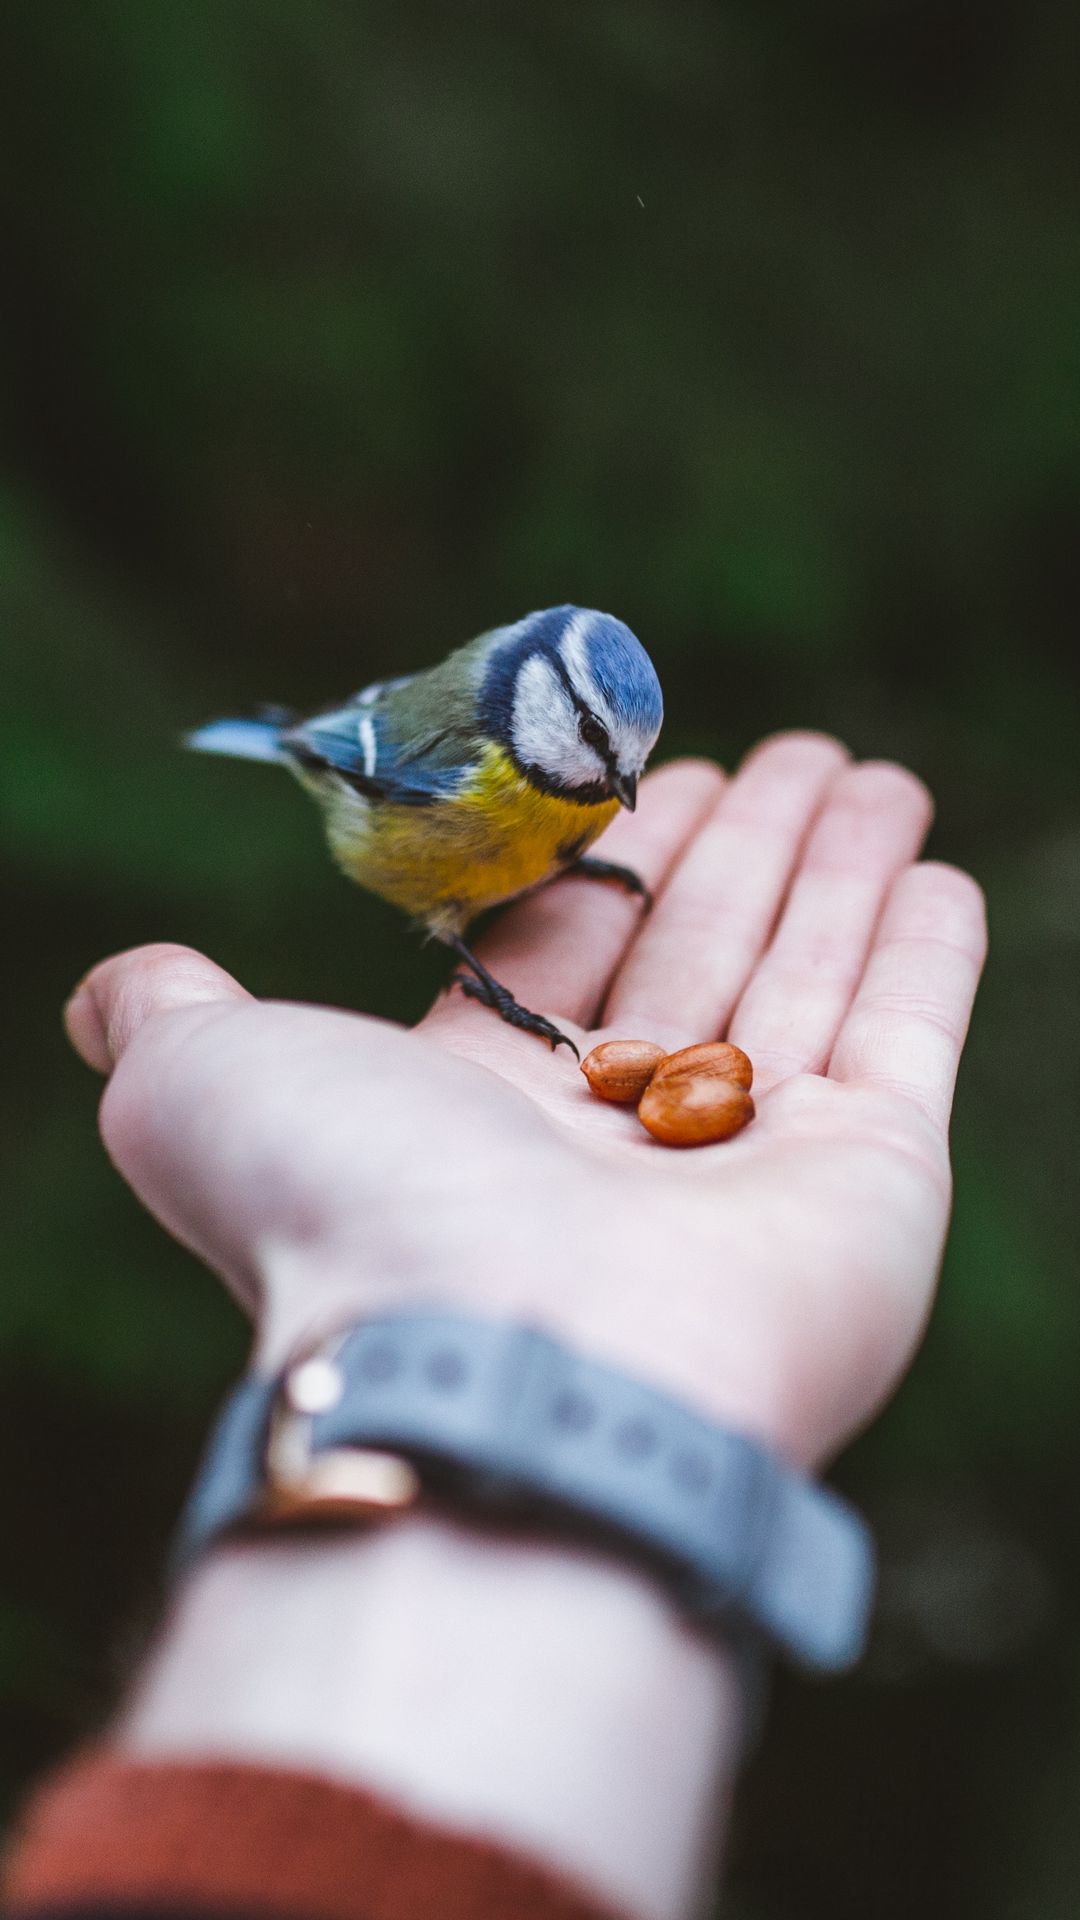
pixel 545 1698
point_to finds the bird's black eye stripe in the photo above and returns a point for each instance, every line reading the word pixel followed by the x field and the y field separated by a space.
pixel 590 729
pixel 594 734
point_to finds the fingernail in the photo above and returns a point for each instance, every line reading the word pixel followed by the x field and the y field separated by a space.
pixel 86 1030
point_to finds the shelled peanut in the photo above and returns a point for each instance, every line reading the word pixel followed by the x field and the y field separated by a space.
pixel 620 1070
pixel 691 1098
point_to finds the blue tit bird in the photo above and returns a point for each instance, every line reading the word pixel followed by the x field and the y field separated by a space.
pixel 453 790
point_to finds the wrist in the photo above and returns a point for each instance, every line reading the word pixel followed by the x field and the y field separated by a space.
pixel 501 1418
pixel 544 1696
pixel 609 1301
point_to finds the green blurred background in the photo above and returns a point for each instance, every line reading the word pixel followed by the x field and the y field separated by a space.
pixel 333 331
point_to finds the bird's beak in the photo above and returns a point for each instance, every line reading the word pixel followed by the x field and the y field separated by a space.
pixel 624 787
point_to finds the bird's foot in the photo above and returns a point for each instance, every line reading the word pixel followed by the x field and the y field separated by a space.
pixel 624 877
pixel 478 984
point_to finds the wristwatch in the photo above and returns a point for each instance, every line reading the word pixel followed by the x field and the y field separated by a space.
pixel 501 1419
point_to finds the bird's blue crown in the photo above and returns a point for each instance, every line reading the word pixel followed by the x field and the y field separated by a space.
pixel 575 699
pixel 617 663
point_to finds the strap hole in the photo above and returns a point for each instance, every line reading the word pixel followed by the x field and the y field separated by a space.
pixel 446 1368
pixel 572 1411
pixel 636 1439
pixel 690 1471
pixel 380 1362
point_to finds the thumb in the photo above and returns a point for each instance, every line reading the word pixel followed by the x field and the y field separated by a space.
pixel 119 995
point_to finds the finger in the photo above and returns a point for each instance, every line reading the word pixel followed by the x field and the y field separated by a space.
pixel 696 952
pixel 118 996
pixel 556 950
pixel 908 1021
pixel 871 828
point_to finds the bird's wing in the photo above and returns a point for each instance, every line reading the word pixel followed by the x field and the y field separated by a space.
pixel 404 742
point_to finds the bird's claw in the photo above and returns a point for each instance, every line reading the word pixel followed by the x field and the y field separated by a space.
pixel 625 877
pixel 502 1002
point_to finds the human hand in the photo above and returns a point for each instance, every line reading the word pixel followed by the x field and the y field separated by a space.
pixel 329 1164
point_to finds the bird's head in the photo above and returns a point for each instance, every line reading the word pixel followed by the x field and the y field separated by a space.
pixel 575 699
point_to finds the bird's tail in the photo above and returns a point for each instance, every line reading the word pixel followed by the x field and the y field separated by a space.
pixel 242 739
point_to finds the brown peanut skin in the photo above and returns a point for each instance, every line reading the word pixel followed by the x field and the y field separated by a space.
pixel 620 1070
pixel 694 1110
pixel 717 1059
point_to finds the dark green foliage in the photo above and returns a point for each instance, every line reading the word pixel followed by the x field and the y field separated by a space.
pixel 334 332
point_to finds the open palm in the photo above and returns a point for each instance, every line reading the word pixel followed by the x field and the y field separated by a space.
pixel 326 1163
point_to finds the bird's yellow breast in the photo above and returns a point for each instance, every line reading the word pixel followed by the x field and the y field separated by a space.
pixel 445 863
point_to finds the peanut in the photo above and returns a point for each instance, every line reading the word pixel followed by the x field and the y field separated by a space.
pixel 693 1110
pixel 716 1059
pixel 620 1070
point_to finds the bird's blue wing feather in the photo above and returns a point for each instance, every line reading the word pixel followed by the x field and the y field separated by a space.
pixel 358 743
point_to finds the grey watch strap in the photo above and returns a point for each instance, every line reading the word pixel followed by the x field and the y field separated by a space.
pixel 502 1416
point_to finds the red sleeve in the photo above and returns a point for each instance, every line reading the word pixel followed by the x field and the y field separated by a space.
pixel 215 1838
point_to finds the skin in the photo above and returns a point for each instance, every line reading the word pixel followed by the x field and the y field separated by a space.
pixel 326 1163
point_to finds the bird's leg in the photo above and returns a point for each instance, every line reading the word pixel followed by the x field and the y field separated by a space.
pixel 591 869
pixel 491 993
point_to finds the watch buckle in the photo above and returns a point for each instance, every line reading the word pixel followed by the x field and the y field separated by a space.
pixel 339 1484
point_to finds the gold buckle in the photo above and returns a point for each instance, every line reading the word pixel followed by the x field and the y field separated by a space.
pixel 341 1484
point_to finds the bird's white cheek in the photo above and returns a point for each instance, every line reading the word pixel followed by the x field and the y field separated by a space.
pixel 576 765
pixel 544 728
